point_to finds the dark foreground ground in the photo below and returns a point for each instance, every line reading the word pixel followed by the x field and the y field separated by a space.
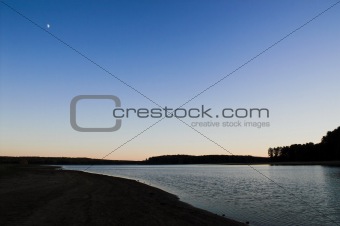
pixel 45 196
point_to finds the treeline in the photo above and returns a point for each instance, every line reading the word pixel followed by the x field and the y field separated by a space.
pixel 61 161
pixel 165 159
pixel 204 159
pixel 327 150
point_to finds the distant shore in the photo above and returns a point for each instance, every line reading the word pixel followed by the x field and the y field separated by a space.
pixel 322 163
pixel 160 160
pixel 38 195
pixel 309 163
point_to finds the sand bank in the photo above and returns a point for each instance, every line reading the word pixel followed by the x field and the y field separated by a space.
pixel 45 196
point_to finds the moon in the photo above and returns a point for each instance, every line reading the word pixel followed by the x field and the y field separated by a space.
pixel 48 26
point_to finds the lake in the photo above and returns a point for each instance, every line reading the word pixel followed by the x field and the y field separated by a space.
pixel 301 195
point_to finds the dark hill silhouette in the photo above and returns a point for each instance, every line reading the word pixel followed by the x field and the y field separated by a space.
pixel 327 150
pixel 205 159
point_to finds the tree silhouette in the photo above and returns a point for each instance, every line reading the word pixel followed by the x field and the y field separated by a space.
pixel 328 149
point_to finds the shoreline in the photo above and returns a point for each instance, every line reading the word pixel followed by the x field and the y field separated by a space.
pixel 310 163
pixel 42 195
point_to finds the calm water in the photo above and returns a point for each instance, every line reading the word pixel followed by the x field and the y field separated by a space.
pixel 311 194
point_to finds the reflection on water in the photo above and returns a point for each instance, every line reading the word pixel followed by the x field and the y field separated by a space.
pixel 311 195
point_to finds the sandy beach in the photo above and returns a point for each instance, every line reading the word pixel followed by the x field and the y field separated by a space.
pixel 33 195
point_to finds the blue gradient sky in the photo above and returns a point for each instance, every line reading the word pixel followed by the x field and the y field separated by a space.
pixel 169 51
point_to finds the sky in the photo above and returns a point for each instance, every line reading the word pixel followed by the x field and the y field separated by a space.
pixel 169 52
